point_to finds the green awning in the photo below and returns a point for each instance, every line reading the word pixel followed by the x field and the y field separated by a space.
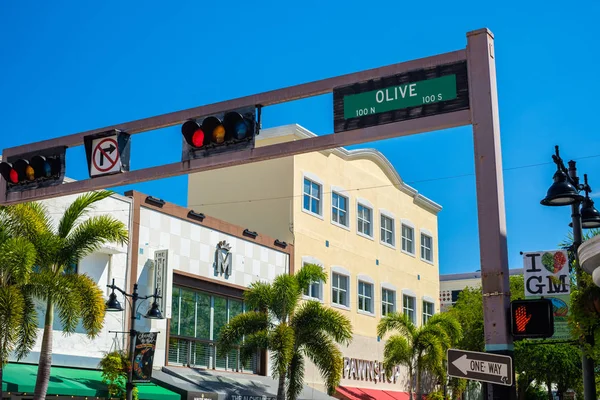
pixel 20 378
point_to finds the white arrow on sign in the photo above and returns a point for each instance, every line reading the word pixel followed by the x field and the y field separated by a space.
pixel 466 365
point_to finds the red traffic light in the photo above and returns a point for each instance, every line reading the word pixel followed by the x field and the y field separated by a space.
pixel 224 129
pixel 37 170
pixel 532 318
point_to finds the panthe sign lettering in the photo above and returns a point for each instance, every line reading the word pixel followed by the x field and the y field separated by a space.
pixel 546 273
pixel 366 370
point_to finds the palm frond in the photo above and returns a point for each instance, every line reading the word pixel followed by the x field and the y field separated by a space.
pixel 11 314
pixel 327 357
pixel 449 324
pixel 252 343
pixel 17 256
pixel 27 219
pixel 91 303
pixel 431 345
pixel 92 233
pixel 241 325
pixel 259 296
pixel 308 274
pixel 313 317
pixel 397 351
pixel 28 327
pixel 286 296
pixel 281 344
pixel 78 209
pixel 295 376
pixel 398 322
pixel 67 300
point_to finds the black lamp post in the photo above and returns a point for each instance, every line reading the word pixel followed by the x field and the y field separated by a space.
pixel 563 192
pixel 114 305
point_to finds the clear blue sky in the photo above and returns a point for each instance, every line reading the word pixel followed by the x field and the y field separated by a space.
pixel 67 67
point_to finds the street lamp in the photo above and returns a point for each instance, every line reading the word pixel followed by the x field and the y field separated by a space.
pixel 113 305
pixel 565 191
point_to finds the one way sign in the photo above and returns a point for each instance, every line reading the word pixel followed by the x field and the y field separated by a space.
pixel 484 367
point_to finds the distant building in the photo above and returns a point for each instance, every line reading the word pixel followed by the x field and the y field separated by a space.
pixel 452 284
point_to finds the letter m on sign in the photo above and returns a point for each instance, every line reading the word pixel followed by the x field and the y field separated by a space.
pixel 224 262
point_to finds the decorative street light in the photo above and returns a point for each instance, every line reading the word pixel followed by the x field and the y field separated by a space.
pixel 565 191
pixel 114 305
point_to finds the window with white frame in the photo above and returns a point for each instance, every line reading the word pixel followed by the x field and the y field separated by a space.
pixel 339 289
pixel 387 230
pixel 312 196
pixel 426 247
pixel 427 311
pixel 365 219
pixel 339 209
pixel 388 303
pixel 314 290
pixel 365 296
pixel 408 307
pixel 408 239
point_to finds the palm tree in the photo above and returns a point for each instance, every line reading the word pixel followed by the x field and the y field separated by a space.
pixel 419 349
pixel 75 296
pixel 17 312
pixel 291 330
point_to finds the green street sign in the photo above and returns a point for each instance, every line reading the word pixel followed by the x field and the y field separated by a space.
pixel 400 96
pixel 414 94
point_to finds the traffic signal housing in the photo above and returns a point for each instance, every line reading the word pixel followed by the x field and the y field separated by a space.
pixel 532 318
pixel 34 170
pixel 223 132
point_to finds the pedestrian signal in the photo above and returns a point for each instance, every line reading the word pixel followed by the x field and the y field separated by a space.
pixel 532 318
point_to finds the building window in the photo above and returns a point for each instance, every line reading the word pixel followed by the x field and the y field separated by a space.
pixel 427 311
pixel 339 289
pixel 426 247
pixel 365 296
pixel 408 307
pixel 387 230
pixel 388 303
pixel 314 290
pixel 365 215
pixel 455 294
pixel 339 209
pixel 312 196
pixel 197 319
pixel 408 239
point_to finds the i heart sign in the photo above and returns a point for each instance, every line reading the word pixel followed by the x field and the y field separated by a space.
pixel 554 262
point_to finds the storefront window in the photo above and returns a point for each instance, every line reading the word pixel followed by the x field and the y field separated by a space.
pixel 196 323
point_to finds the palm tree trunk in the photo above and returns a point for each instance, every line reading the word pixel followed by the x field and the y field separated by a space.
pixel 549 385
pixel 281 387
pixel 419 390
pixel 43 375
pixel 1 392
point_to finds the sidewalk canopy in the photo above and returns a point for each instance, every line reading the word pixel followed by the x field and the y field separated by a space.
pixel 354 393
pixel 20 378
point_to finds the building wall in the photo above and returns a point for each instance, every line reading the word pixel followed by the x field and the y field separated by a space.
pixel 110 262
pixel 192 252
pixel 255 196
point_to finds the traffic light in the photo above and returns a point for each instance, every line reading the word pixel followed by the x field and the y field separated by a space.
pixel 532 318
pixel 34 170
pixel 228 131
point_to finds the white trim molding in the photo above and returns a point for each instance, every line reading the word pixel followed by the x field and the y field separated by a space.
pixel 340 270
pixel 311 260
pixel 365 278
pixel 409 292
pixel 388 286
pixel 428 299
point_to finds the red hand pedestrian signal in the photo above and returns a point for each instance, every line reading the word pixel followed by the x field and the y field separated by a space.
pixel 522 318
pixel 532 318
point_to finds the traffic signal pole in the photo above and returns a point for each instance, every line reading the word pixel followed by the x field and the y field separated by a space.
pixel 490 202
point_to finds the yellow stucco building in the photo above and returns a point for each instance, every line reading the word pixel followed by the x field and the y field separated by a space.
pixel 351 213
